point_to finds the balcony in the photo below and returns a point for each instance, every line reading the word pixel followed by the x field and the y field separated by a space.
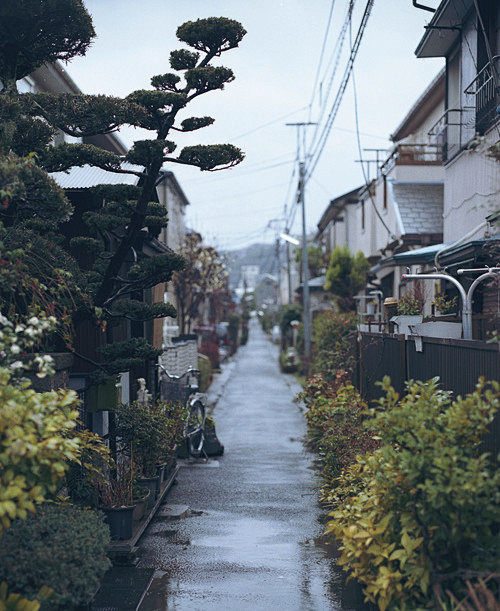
pixel 486 90
pixel 453 131
pixel 413 154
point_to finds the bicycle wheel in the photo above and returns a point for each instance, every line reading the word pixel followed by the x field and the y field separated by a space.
pixel 195 433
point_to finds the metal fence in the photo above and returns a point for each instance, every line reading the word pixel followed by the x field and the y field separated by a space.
pixel 458 364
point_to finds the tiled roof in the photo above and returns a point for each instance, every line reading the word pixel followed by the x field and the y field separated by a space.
pixel 88 176
pixel 420 206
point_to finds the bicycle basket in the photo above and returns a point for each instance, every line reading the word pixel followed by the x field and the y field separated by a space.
pixel 174 391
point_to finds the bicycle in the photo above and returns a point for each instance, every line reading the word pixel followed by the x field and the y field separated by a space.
pixel 172 389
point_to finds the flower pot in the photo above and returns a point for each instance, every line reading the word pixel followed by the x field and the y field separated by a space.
pixel 120 521
pixel 151 483
pixel 141 505
pixel 160 471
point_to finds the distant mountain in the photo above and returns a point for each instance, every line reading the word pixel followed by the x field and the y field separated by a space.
pixel 263 255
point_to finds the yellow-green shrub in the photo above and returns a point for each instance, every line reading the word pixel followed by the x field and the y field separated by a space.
pixel 35 445
pixel 424 508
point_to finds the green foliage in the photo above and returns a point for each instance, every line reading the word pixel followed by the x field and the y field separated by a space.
pixel 154 270
pixel 36 429
pixel 422 510
pixel 335 425
pixel 32 207
pixel 138 310
pixel 210 156
pixel 67 32
pixel 61 547
pixel 9 601
pixel 317 261
pixel 149 431
pixel 444 304
pixel 27 192
pixel 333 343
pixel 208 78
pixel 212 36
pixel 83 115
pixel 289 360
pixel 205 367
pixel 64 156
pixel 183 59
pixel 146 152
pixel 194 123
pixel 165 82
pixel 346 275
pixel 410 304
pixel 289 312
pixel 122 356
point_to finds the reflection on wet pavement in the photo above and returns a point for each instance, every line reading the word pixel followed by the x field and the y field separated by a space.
pixel 252 538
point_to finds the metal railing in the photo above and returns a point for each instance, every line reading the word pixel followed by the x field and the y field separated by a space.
pixel 453 130
pixel 486 90
pixel 413 154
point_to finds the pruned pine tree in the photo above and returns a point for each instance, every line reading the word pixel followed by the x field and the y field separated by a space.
pixel 96 242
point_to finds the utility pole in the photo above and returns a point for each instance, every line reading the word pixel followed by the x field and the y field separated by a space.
pixel 305 263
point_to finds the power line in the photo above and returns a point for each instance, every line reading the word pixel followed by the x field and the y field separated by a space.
pixel 367 182
pixel 316 153
pixel 325 38
pixel 336 54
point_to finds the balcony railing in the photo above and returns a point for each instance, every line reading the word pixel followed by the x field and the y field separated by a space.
pixel 486 90
pixel 413 154
pixel 453 130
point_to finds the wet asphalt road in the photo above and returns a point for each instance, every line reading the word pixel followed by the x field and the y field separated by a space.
pixel 252 538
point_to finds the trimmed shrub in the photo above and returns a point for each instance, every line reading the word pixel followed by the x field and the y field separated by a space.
pixel 420 514
pixel 335 425
pixel 211 349
pixel 205 368
pixel 333 343
pixel 62 547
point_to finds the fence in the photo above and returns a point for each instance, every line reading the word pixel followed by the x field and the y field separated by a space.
pixel 458 363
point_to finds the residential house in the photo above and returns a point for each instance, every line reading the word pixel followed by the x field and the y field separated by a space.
pixel 334 226
pixel 467 35
pixel 401 208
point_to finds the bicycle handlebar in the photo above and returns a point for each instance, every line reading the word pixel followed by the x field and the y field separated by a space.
pixel 173 376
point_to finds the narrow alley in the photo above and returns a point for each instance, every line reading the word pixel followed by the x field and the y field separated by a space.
pixel 249 534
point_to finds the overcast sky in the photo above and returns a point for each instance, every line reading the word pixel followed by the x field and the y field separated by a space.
pixel 277 66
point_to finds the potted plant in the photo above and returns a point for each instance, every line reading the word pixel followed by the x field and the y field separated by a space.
pixel 409 311
pixel 445 305
pixel 116 500
pixel 140 497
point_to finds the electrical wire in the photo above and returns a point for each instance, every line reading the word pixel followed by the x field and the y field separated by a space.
pixel 325 39
pixel 360 151
pixel 315 155
pixel 336 55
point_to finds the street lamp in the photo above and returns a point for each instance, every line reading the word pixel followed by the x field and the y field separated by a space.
pixel 288 238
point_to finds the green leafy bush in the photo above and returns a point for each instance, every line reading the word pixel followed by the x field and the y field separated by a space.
pixel 335 424
pixel 333 343
pixel 149 431
pixel 61 547
pixel 421 513
pixel 205 368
